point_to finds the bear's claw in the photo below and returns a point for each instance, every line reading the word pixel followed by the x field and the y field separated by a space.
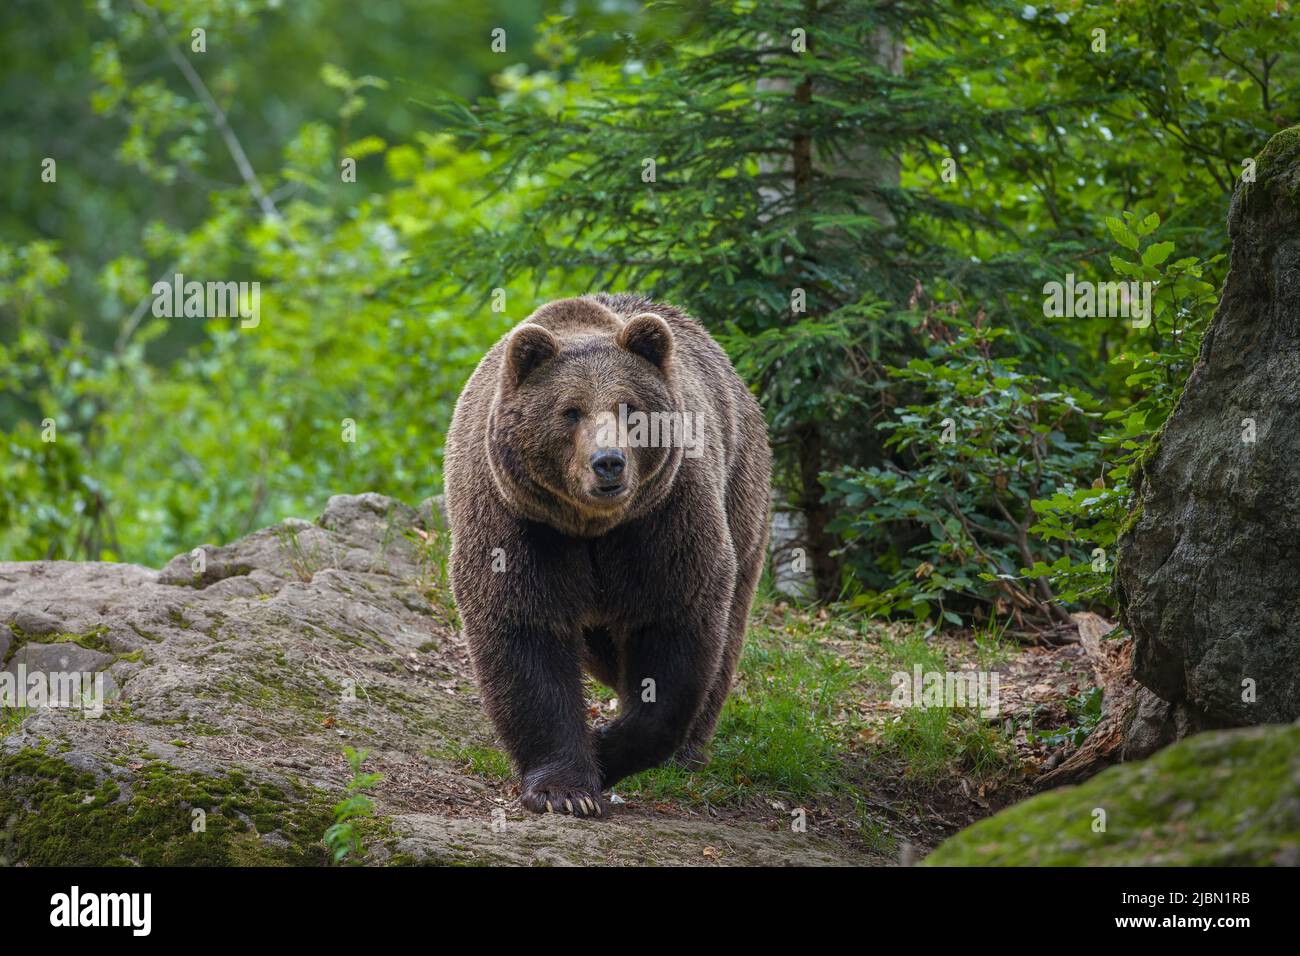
pixel 572 800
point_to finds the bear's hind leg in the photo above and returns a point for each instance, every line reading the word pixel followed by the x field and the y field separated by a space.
pixel 694 753
pixel 667 671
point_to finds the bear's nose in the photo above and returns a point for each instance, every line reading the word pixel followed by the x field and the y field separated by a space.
pixel 607 463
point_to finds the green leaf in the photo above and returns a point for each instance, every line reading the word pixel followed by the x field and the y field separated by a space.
pixel 1121 233
pixel 1157 253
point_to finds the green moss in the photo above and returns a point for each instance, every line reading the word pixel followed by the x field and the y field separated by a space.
pixel 215 622
pixel 1278 152
pixel 94 640
pixel 287 689
pixel 199 580
pixel 91 640
pixel 147 635
pixel 1138 478
pixel 1226 798
pixel 1269 188
pixel 1130 521
pixel 60 816
pixel 121 713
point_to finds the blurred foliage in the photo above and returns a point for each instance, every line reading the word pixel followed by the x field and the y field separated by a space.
pixel 866 223
pixel 172 431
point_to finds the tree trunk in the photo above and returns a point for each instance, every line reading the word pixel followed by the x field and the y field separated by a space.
pixel 803 166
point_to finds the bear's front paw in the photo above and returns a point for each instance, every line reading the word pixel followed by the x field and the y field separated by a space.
pixel 562 794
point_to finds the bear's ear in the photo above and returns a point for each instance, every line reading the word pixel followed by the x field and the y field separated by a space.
pixel 529 346
pixel 648 336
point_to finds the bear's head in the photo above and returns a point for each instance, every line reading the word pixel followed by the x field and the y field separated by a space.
pixel 563 435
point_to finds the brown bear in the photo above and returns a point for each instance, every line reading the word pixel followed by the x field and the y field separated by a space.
pixel 583 537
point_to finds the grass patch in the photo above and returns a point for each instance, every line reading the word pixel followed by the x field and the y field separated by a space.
pixel 993 648
pixel 776 734
pixel 486 762
pixel 433 559
pixel 11 718
pixel 935 742
pixel 785 735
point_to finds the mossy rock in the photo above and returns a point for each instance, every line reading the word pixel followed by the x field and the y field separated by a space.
pixel 55 814
pixel 1206 564
pixel 1227 798
pixel 1276 181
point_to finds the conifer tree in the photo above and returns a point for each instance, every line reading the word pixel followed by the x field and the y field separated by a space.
pixel 750 176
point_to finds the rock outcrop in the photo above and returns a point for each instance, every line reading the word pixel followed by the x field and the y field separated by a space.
pixel 1224 798
pixel 1209 568
pixel 232 681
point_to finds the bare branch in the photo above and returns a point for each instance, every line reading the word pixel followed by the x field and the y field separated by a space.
pixel 218 114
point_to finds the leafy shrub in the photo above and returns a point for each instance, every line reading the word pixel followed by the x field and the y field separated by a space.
pixel 947 520
pixel 1090 519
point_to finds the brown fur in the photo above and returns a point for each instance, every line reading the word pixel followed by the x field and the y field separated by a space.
pixel 655 583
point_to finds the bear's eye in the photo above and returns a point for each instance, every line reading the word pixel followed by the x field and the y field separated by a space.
pixel 571 415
